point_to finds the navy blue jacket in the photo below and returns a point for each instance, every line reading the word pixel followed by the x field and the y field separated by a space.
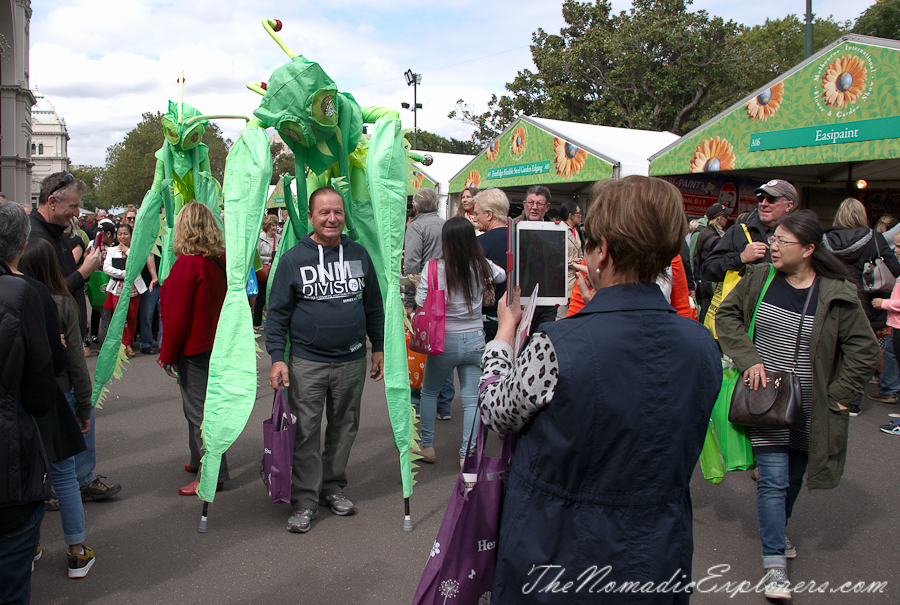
pixel 601 475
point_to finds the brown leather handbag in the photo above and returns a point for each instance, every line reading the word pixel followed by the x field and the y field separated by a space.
pixel 779 402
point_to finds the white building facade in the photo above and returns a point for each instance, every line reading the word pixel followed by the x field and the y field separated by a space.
pixel 15 101
pixel 49 143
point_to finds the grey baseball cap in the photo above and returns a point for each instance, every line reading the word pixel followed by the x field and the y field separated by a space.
pixel 778 188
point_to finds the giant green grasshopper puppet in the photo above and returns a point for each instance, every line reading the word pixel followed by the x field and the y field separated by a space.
pixel 323 127
pixel 182 174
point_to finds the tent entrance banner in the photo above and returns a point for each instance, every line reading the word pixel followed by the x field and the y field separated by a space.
pixel 527 150
pixel 863 130
pixel 839 106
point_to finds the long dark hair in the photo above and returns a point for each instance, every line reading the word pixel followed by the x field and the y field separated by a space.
pixel 462 256
pixel 40 262
pixel 805 226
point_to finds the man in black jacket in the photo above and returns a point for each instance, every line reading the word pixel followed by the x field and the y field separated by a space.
pixel 25 391
pixel 60 201
pixel 777 199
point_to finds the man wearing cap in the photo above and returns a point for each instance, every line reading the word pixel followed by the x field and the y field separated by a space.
pixel 777 199
pixel 716 219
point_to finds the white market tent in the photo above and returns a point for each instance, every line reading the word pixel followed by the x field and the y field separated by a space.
pixel 444 168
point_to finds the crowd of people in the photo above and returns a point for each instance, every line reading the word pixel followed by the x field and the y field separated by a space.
pixel 611 416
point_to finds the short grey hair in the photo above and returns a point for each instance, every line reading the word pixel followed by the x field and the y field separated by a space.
pixel 426 200
pixel 14 229
pixel 62 194
pixel 493 201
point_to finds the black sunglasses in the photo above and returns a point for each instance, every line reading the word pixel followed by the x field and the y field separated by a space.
pixel 66 180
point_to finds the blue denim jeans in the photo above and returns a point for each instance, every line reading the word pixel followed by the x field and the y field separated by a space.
pixel 86 460
pixel 71 511
pixel 463 352
pixel 17 550
pixel 149 304
pixel 780 481
pixel 445 397
pixel 890 373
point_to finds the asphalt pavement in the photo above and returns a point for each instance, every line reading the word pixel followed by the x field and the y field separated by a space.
pixel 148 549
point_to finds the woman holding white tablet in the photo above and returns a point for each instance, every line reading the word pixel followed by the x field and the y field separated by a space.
pixel 612 407
pixel 463 274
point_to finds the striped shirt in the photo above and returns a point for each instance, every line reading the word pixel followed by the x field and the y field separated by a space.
pixel 775 336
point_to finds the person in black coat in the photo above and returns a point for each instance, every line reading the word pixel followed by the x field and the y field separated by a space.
pixel 26 360
pixel 777 199
pixel 855 244
pixel 60 201
pixel 611 418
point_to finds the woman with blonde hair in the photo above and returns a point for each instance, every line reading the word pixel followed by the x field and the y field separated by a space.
pixel 491 214
pixel 190 302
pixel 855 245
pixel 593 478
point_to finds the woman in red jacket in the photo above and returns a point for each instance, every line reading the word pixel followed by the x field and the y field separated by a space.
pixel 190 302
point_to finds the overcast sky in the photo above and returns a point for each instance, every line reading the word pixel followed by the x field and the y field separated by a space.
pixel 104 63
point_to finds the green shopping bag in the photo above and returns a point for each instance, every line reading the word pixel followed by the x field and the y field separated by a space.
pixel 711 462
pixel 96 289
pixel 733 440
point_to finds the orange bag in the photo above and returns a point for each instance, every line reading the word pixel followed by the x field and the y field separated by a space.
pixel 416 363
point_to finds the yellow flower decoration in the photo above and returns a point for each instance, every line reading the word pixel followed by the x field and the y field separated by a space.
pixel 713 155
pixel 844 81
pixel 473 179
pixel 765 104
pixel 493 150
pixel 569 158
pixel 517 143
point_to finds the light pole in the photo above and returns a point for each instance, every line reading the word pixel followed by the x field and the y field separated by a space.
pixel 808 32
pixel 413 80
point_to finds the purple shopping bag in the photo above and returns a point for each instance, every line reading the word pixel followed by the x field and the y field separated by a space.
pixel 460 568
pixel 279 432
pixel 427 335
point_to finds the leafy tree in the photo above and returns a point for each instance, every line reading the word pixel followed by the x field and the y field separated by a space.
pixel 428 141
pixel 882 19
pixel 282 161
pixel 131 163
pixel 656 67
pixel 777 45
pixel 91 175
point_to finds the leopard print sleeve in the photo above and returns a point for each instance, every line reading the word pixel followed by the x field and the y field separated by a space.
pixel 511 392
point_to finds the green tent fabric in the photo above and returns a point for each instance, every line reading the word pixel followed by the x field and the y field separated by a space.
pixel 231 391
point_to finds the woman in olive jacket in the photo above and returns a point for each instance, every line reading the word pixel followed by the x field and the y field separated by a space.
pixel 841 357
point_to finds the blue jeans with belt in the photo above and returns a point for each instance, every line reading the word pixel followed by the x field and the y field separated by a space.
pixel 780 481
pixel 462 351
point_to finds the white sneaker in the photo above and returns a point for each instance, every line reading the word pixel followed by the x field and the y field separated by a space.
pixel 790 551
pixel 777 585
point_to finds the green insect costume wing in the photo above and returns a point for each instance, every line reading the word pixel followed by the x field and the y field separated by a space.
pixel 231 390
pixel 182 174
pixel 323 128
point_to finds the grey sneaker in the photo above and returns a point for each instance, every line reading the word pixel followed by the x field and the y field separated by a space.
pixel 299 522
pixel 339 504
pixel 790 551
pixel 98 490
pixel 777 585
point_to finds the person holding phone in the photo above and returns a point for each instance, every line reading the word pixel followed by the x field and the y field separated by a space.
pixel 591 478
pixel 114 266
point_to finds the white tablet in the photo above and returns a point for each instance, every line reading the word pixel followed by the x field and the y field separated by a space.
pixel 541 259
